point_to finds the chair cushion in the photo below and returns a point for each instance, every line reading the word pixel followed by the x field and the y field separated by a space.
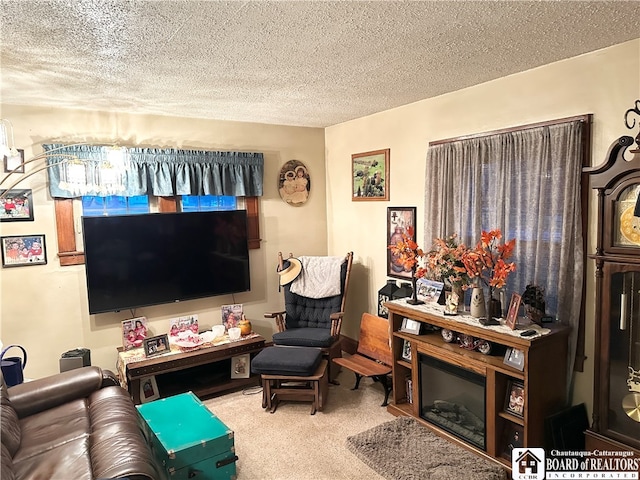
pixel 304 337
pixel 293 361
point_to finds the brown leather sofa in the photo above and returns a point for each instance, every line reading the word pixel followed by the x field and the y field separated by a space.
pixel 78 425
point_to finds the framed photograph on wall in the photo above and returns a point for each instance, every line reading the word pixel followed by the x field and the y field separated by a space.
pixel 23 250
pixel 370 175
pixel 16 206
pixel 399 219
pixel 515 399
pixel 241 366
pixel 14 163
pixel 156 345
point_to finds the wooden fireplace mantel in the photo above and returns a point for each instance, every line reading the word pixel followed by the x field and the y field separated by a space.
pixel 544 374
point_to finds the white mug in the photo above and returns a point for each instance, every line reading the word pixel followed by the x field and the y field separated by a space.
pixel 218 330
pixel 234 333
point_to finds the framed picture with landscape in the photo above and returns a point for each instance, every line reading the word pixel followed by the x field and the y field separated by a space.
pixel 370 175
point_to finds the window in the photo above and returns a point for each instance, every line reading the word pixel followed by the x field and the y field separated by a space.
pixel 525 181
pixel 114 205
pixel 203 203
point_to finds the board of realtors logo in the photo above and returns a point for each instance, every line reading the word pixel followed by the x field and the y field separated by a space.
pixel 527 464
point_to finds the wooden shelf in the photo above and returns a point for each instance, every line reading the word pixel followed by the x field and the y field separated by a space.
pixel 512 418
pixel 543 376
pixel 205 372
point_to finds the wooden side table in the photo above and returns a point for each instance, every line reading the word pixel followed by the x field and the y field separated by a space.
pixel 205 371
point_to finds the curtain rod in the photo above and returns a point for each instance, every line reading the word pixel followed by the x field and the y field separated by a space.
pixel 581 118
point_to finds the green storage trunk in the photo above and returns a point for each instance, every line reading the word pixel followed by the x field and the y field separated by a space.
pixel 188 440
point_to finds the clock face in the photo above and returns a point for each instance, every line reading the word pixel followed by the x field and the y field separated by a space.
pixel 627 226
pixel 630 226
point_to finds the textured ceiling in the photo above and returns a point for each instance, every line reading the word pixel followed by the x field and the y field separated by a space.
pixel 307 63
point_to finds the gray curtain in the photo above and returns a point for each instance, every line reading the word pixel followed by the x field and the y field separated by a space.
pixel 526 183
pixel 158 172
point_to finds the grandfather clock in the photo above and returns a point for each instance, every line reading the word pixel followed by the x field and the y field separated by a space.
pixel 616 402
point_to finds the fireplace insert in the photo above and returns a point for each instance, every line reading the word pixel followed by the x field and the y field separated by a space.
pixel 453 398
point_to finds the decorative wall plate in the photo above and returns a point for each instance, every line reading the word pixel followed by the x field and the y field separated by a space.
pixel 294 183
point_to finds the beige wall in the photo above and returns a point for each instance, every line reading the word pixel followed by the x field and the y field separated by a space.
pixel 44 308
pixel 605 83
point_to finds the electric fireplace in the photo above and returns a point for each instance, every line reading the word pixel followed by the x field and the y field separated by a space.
pixel 453 398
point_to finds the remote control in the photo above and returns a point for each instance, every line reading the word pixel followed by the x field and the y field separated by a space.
pixel 528 333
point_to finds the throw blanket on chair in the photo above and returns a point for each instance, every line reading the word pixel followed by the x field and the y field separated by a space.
pixel 320 277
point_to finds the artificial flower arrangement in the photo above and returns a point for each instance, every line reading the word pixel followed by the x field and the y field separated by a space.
pixel 444 262
pixel 407 251
pixel 487 262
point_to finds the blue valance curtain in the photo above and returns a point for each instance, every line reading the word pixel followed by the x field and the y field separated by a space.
pixel 152 171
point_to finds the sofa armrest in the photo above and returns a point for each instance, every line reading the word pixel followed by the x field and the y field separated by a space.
pixel 48 392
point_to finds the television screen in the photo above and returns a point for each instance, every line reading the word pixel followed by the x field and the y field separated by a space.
pixel 139 260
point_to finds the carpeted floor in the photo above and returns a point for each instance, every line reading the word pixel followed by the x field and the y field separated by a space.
pixel 403 449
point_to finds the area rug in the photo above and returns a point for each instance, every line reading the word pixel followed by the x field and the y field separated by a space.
pixel 403 449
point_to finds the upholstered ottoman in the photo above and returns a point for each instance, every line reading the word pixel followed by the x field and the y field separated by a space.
pixel 292 373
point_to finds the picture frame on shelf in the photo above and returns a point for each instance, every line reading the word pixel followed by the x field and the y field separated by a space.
pixel 514 402
pixel 513 437
pixel 429 291
pixel 134 332
pixel 410 326
pixel 406 350
pixel 370 175
pixel 241 366
pixel 16 205
pixel 149 389
pixel 514 358
pixel 156 345
pixel 512 314
pixel 23 250
pixel 399 219
pixel 14 163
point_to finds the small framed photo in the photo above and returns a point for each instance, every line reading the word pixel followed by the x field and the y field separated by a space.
pixel 515 399
pixel 406 350
pixel 14 163
pixel 16 206
pixel 514 358
pixel 22 250
pixel 370 175
pixel 149 389
pixel 399 219
pixel 512 314
pixel 513 437
pixel 241 366
pixel 410 326
pixel 156 345
pixel 134 332
pixel 429 291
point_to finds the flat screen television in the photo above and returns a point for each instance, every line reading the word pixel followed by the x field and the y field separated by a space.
pixel 140 260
